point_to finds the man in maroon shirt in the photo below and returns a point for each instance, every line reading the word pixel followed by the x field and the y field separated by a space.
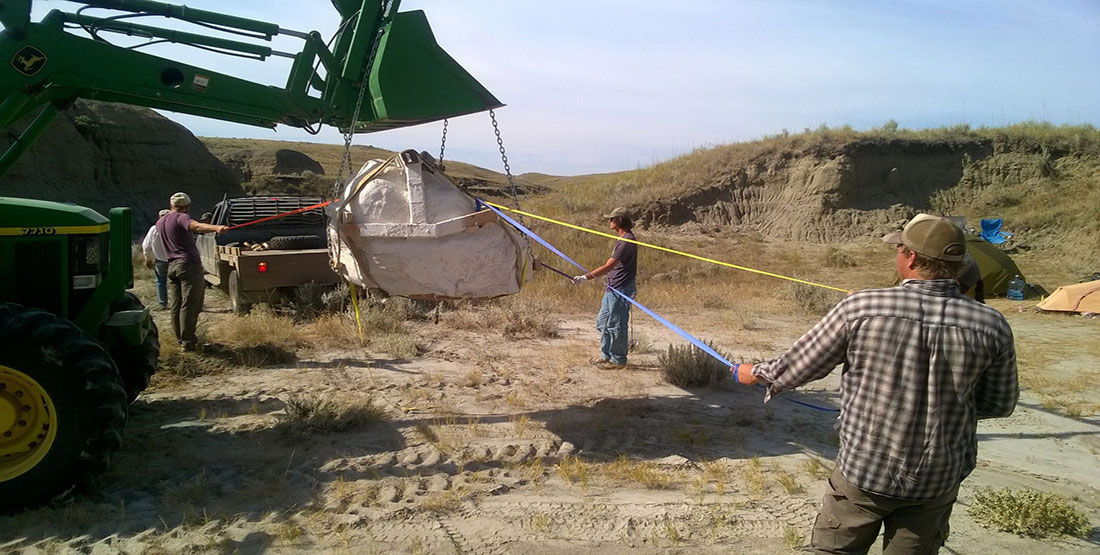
pixel 186 285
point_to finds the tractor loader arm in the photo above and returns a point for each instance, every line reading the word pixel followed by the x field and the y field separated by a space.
pixel 384 69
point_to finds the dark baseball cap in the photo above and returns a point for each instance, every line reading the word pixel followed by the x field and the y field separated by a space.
pixel 931 236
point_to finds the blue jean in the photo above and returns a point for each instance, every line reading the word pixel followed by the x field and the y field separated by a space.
pixel 160 276
pixel 612 322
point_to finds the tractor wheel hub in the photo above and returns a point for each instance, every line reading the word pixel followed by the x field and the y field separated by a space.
pixel 28 423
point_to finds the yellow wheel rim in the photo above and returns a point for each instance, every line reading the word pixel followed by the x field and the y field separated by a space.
pixel 28 423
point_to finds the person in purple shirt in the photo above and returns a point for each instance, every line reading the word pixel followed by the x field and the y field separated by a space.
pixel 186 284
pixel 614 316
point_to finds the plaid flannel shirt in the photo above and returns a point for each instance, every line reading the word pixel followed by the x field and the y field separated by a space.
pixel 922 363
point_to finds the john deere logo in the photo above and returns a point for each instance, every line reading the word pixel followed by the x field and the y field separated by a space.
pixel 28 60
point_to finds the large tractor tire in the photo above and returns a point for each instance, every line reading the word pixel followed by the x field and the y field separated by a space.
pixel 233 289
pixel 136 363
pixel 62 407
pixel 296 242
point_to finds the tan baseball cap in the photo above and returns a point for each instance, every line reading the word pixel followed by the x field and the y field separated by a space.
pixel 931 236
pixel 180 199
pixel 617 213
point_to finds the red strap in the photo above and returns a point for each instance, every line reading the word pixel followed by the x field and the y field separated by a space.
pixel 276 216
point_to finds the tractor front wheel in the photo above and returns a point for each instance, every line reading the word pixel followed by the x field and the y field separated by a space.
pixel 136 363
pixel 62 407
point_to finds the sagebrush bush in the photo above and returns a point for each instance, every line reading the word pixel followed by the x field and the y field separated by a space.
pixel 811 299
pixel 1027 512
pixel 690 366
pixel 836 258
pixel 310 300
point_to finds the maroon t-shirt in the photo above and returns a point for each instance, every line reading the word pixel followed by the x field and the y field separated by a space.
pixel 178 240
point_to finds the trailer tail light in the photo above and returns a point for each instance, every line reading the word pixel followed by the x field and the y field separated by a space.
pixel 261 267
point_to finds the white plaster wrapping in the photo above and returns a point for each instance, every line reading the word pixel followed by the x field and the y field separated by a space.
pixel 410 231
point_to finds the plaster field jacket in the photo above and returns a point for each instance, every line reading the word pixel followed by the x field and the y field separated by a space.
pixel 922 363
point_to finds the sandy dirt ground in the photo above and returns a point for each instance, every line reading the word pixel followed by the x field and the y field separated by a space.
pixel 512 445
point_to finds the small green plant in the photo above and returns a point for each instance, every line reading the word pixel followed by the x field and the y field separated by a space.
pixel 1027 512
pixel 690 366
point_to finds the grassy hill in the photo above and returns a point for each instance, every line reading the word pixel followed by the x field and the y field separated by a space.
pixel 260 155
pixel 829 185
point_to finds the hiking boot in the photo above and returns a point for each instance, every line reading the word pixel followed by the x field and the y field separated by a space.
pixel 608 365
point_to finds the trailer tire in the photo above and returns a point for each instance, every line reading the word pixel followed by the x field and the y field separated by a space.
pixel 70 403
pixel 297 242
pixel 136 363
pixel 236 304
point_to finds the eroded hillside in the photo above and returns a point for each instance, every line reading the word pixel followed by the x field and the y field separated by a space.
pixel 104 155
pixel 842 185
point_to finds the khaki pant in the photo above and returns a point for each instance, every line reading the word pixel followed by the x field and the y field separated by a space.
pixel 850 520
pixel 186 288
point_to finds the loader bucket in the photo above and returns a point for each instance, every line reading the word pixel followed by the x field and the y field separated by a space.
pixel 414 81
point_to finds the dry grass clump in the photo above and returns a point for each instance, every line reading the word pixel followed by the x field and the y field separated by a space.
pixel 260 327
pixel 318 413
pixel 690 366
pixel 752 475
pixel 332 330
pixel 397 345
pixel 443 501
pixel 793 538
pixel 1027 512
pixel 573 470
pixel 510 317
pixel 648 475
pixel 816 468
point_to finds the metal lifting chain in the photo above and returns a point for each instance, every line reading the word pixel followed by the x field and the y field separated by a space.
pixel 345 160
pixel 507 168
pixel 443 147
pixel 511 182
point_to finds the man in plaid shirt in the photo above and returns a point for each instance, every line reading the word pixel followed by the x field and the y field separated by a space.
pixel 922 363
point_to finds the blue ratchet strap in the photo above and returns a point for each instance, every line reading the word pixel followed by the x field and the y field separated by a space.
pixel 692 339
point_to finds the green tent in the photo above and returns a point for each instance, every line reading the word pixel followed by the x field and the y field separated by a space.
pixel 996 267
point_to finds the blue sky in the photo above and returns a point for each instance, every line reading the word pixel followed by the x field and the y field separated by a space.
pixel 610 85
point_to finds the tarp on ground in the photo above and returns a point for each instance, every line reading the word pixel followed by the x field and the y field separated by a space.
pixel 1080 297
pixel 403 227
pixel 996 267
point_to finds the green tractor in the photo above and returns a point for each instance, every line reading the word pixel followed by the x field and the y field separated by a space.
pixel 75 345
